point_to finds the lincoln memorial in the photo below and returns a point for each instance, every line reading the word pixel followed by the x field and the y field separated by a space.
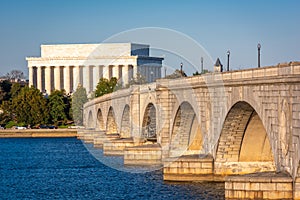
pixel 65 66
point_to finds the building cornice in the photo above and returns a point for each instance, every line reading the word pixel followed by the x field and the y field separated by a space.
pixel 79 58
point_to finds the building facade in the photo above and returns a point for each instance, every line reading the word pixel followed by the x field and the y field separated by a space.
pixel 66 66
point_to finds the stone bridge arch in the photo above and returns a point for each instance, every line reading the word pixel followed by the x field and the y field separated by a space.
pixel 149 123
pixel 186 133
pixel 90 122
pixel 100 120
pixel 125 123
pixel 111 124
pixel 244 144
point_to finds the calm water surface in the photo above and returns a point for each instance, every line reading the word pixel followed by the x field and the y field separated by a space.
pixel 62 168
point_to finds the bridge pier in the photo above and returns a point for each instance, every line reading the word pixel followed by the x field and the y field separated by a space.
pixel 148 154
pixel 101 138
pixel 87 135
pixel 297 185
pixel 190 168
pixel 259 186
pixel 116 147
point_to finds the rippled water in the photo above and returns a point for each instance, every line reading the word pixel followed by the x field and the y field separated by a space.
pixel 62 168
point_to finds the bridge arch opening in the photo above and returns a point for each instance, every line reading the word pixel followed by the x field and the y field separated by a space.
pixel 243 146
pixel 90 122
pixel 149 123
pixel 186 135
pixel 111 125
pixel 125 123
pixel 100 120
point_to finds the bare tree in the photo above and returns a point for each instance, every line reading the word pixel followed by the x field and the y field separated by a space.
pixel 15 74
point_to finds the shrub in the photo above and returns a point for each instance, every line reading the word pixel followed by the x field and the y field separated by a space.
pixel 10 124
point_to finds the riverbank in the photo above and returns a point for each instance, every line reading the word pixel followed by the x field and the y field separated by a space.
pixel 38 133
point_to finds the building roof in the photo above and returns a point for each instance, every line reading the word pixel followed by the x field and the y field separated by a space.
pixel 218 62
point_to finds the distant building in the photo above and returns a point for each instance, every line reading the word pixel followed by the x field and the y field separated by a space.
pixel 218 67
pixel 21 81
pixel 67 65
pixel 15 80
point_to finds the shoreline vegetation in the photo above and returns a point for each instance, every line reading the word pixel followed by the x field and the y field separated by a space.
pixel 24 107
pixel 38 133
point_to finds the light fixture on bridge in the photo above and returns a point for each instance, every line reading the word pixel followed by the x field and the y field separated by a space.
pixel 181 66
pixel 201 65
pixel 258 51
pixel 228 55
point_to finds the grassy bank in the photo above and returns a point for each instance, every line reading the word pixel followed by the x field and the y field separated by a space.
pixel 38 133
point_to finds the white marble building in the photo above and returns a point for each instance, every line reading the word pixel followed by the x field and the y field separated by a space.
pixel 65 66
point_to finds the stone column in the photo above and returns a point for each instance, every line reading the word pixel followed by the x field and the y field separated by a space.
pixel 91 80
pixel 101 72
pixel 67 81
pixel 87 77
pixel 57 84
pixel 81 75
pixel 125 75
pixel 115 71
pixel 135 71
pixel 106 72
pixel 30 75
pixel 130 72
pixel 151 74
pixel 120 71
pixel 39 78
pixel 96 74
pixel 76 77
pixel 71 79
pixel 48 79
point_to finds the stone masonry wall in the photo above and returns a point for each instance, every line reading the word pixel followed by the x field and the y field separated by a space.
pixel 273 92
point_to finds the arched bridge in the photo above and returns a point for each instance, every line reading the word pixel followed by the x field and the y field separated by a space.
pixel 238 122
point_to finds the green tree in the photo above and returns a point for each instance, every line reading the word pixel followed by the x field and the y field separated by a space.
pixel 57 106
pixel 68 106
pixel 106 86
pixel 15 89
pixel 7 113
pixel 30 106
pixel 79 98
pixel 5 87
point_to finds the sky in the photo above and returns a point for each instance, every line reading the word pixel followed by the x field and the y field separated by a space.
pixel 217 26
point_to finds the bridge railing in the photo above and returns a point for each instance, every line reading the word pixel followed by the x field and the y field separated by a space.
pixel 264 73
pixel 117 94
pixel 204 80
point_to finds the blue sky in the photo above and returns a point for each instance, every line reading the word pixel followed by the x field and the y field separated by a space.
pixel 216 25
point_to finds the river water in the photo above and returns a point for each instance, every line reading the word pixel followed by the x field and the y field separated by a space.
pixel 63 168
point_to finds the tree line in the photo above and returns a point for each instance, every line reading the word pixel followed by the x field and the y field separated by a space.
pixel 27 106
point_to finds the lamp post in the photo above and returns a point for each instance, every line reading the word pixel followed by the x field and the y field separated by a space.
pixel 181 66
pixel 201 65
pixel 228 55
pixel 258 51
